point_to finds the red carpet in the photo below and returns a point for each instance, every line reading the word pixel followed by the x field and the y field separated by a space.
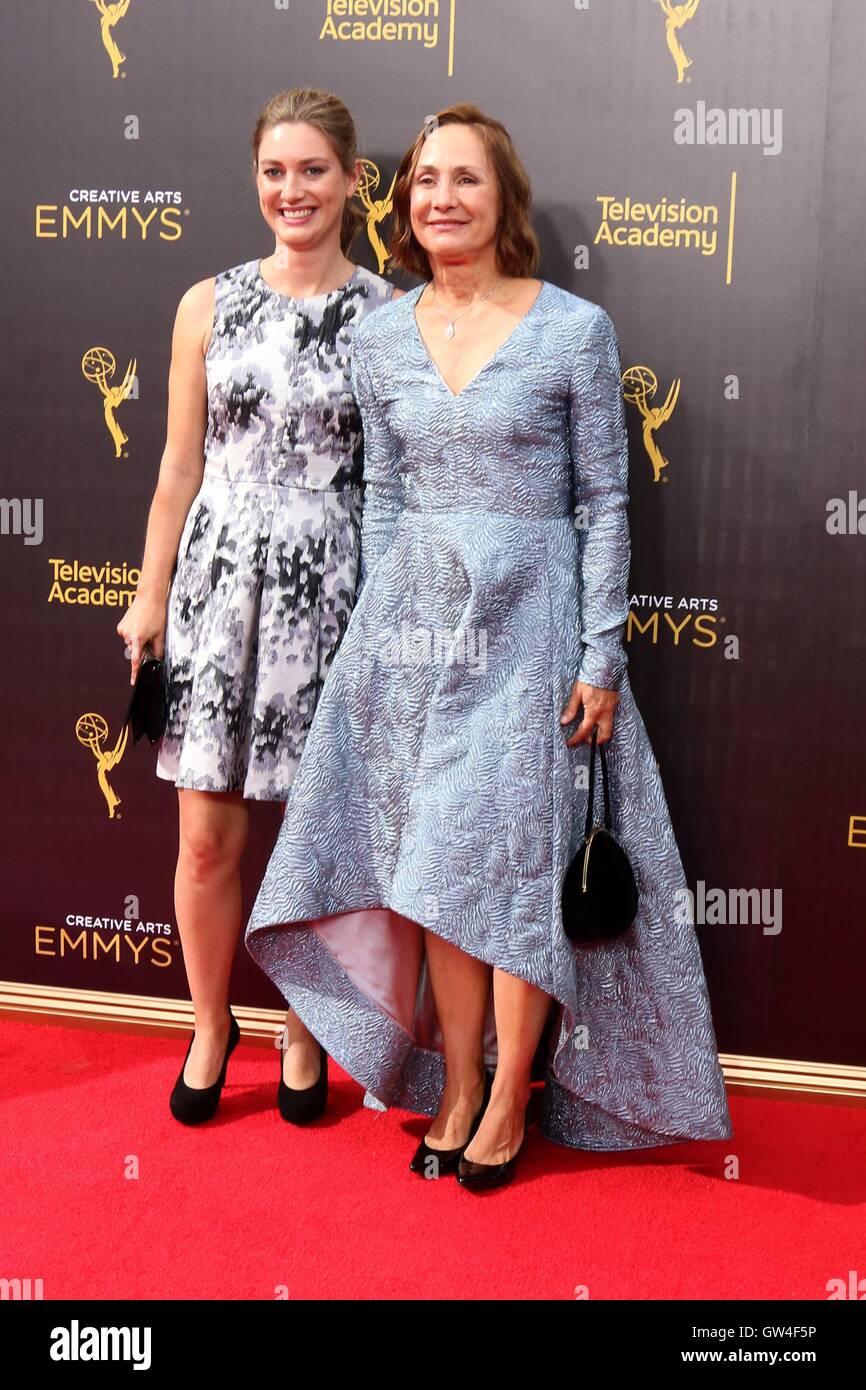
pixel 248 1204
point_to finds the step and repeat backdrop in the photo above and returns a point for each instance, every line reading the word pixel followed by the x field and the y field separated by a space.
pixel 697 170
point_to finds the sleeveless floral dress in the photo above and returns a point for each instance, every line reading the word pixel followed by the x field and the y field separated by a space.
pixel 267 565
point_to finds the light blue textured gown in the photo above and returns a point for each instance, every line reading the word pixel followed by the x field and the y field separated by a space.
pixel 436 789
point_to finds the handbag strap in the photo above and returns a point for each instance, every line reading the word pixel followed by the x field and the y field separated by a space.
pixel 590 801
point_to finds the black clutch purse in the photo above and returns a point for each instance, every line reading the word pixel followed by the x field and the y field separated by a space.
pixel 148 706
pixel 599 893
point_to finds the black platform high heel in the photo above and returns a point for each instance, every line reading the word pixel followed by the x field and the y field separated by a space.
pixel 194 1104
pixel 299 1107
pixel 448 1159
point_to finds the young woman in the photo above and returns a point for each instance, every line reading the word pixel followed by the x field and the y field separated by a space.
pixel 252 550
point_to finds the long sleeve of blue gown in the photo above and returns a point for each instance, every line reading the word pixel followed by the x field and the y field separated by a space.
pixel 383 499
pixel 599 455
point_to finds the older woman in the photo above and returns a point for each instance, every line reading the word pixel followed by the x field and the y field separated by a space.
pixel 411 908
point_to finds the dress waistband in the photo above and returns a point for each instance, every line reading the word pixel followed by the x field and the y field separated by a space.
pixel 484 511
pixel 350 489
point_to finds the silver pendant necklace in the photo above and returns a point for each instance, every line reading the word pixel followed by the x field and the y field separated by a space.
pixel 449 329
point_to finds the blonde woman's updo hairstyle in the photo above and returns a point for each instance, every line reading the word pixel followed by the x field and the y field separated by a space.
pixel 517 249
pixel 310 106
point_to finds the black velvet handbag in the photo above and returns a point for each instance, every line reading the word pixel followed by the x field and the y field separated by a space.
pixel 599 893
pixel 148 704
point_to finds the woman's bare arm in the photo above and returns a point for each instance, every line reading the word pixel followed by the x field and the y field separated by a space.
pixel 180 472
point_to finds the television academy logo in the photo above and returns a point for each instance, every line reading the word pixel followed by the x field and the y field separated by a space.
pixel 109 16
pixel 91 730
pixel 103 939
pixel 130 214
pixel 688 620
pixel 639 386
pixel 377 209
pixel 388 21
pixel 98 366
pixel 676 16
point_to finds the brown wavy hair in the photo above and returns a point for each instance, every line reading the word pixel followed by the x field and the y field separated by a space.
pixel 517 248
pixel 311 106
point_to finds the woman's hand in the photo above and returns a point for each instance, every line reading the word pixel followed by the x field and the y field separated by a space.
pixel 598 708
pixel 144 622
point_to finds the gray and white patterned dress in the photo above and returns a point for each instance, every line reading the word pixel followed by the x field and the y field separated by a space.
pixel 266 570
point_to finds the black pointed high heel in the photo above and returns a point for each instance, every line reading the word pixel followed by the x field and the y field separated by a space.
pixel 477 1177
pixel 299 1107
pixel 448 1159
pixel 194 1104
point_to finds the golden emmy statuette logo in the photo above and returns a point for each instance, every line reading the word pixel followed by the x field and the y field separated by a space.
pixel 98 365
pixel 377 209
pixel 639 386
pixel 108 17
pixel 91 730
pixel 675 17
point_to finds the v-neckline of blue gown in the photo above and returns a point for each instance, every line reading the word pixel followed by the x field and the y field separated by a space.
pixel 457 395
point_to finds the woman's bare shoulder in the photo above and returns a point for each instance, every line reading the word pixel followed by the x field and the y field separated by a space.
pixel 195 312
